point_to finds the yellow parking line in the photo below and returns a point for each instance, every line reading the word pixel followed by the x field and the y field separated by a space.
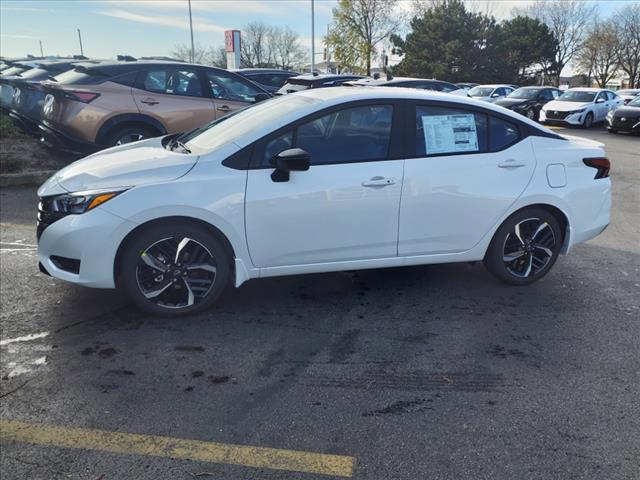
pixel 156 446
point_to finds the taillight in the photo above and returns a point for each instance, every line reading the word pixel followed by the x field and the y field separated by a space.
pixel 84 97
pixel 603 165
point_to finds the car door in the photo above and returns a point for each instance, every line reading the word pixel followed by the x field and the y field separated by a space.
pixel 601 107
pixel 345 207
pixel 174 95
pixel 467 171
pixel 230 92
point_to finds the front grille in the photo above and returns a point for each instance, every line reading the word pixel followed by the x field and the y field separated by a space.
pixel 46 215
pixel 554 115
pixel 627 123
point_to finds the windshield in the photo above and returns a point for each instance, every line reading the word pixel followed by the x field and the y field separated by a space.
pixel 635 102
pixel 480 91
pixel 291 87
pixel 577 96
pixel 217 134
pixel 35 73
pixel 13 71
pixel 528 93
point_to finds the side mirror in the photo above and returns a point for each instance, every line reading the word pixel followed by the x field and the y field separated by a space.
pixel 290 160
pixel 261 97
pixel 494 95
pixel 600 100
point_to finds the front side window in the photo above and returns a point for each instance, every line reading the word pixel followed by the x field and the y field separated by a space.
pixel 275 146
pixel 225 86
pixel 349 135
pixel 173 82
pixel 602 96
pixel 447 131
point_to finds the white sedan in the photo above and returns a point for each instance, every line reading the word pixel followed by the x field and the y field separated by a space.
pixel 491 93
pixel 323 180
pixel 581 107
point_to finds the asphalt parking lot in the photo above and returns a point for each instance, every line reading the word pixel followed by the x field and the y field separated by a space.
pixel 433 372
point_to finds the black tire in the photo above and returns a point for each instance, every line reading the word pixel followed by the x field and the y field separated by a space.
pixel 123 135
pixel 505 242
pixel 136 276
pixel 610 130
pixel 588 121
pixel 532 114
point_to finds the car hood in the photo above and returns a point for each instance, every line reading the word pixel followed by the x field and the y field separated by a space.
pixel 511 102
pixel 128 165
pixel 631 112
pixel 561 106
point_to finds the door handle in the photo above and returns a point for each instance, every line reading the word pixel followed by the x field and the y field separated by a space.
pixel 149 101
pixel 511 164
pixel 223 108
pixel 378 182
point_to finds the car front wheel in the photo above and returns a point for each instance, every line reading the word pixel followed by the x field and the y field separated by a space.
pixel 588 121
pixel 531 114
pixel 525 247
pixel 174 268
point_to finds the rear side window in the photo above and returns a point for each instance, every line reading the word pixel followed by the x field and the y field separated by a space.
pixel 502 134
pixel 447 131
pixel 128 79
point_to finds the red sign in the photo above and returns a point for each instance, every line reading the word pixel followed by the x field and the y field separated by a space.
pixel 229 44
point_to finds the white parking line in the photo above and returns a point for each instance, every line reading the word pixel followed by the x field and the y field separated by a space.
pixel 25 338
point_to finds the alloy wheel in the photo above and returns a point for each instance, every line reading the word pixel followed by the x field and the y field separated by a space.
pixel 529 248
pixel 531 114
pixel 129 137
pixel 176 272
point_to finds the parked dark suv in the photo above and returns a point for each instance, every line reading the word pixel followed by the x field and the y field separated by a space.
pixel 98 106
pixel 270 79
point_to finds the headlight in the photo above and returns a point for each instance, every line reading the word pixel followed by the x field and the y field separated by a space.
pixel 577 111
pixel 76 203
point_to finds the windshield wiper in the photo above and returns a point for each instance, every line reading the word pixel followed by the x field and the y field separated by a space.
pixel 177 143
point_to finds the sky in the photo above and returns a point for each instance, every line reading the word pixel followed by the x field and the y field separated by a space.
pixel 155 27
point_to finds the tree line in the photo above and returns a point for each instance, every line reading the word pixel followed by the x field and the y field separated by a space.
pixel 449 41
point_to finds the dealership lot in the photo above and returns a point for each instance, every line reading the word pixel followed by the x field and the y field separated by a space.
pixel 426 372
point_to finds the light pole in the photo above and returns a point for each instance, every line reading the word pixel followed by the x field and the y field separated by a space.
pixel 80 39
pixel 41 51
pixel 193 52
pixel 313 41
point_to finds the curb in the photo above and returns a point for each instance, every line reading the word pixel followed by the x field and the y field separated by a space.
pixel 25 179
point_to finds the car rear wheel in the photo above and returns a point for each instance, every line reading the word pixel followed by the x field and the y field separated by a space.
pixel 128 134
pixel 175 269
pixel 588 121
pixel 525 247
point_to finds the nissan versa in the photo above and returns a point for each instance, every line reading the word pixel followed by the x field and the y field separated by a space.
pixel 323 180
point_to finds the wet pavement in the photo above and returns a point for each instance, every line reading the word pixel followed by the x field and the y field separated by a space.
pixel 436 372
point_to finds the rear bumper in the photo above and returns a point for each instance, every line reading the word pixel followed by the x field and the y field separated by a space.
pixel 24 123
pixel 59 140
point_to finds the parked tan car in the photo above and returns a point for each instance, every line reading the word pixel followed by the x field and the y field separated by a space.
pixel 98 106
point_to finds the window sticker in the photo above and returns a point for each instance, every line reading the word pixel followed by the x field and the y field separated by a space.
pixel 450 133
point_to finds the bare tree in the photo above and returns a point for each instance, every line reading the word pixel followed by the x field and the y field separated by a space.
pixel 627 21
pixel 568 21
pixel 214 56
pixel 599 54
pixel 256 48
pixel 287 48
pixel 364 23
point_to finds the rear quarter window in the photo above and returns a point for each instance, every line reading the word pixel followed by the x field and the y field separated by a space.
pixel 502 134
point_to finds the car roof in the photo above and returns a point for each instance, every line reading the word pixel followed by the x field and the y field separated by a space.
pixel 586 89
pixel 263 70
pixel 495 85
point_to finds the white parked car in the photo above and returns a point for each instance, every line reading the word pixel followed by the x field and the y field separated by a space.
pixel 580 106
pixel 323 180
pixel 490 93
pixel 627 95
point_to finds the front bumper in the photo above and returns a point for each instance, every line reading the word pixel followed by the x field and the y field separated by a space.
pixel 571 119
pixel 91 238
pixel 59 140
pixel 629 125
